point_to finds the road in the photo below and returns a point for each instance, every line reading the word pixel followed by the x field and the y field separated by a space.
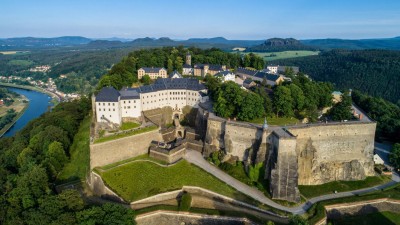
pixel 197 159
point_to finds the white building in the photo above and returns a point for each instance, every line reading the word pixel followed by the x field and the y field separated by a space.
pixel 378 159
pixel 113 105
pixel 225 76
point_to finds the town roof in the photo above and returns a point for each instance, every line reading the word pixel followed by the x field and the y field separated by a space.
pixel 152 69
pixel 107 94
pixel 169 83
pixel 213 67
pixel 187 66
pixel 246 71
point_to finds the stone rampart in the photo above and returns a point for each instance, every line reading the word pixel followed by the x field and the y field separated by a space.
pixel 329 152
pixel 120 149
pixel 96 184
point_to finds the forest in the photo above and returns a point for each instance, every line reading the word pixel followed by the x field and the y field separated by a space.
pixel 385 113
pixel 375 72
pixel 29 164
pixel 124 73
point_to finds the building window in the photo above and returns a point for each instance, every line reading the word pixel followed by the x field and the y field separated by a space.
pixel 124 101
pixel 99 103
pixel 109 109
pixel 108 104
pixel 114 110
pixel 110 115
pixel 104 104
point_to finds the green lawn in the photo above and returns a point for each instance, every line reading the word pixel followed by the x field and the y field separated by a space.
pixel 121 135
pixel 310 191
pixel 138 180
pixel 129 125
pixel 79 150
pixel 19 62
pixel 270 56
pixel 279 121
pixel 381 218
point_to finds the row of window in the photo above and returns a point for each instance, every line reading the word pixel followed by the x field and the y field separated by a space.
pixel 105 104
pixel 106 109
pixel 128 107
pixel 134 101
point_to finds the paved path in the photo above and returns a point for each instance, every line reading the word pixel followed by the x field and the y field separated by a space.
pixel 197 159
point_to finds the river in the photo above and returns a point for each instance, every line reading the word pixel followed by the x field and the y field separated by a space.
pixel 39 103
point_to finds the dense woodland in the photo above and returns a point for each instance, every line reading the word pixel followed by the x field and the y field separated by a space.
pixel 385 113
pixel 29 164
pixel 375 72
pixel 124 73
pixel 301 98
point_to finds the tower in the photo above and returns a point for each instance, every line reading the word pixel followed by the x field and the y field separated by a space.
pixel 188 58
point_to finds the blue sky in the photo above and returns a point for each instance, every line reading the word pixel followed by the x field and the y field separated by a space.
pixel 180 19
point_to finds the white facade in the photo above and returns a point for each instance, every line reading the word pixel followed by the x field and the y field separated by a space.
pixel 187 71
pixel 226 76
pixel 378 159
pixel 273 69
pixel 129 103
pixel 108 112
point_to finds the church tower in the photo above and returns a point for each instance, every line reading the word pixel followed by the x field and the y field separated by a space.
pixel 188 59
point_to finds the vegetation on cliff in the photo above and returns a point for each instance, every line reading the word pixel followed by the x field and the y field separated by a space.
pixel 375 72
pixel 385 113
pixel 302 98
pixel 29 166
pixel 280 44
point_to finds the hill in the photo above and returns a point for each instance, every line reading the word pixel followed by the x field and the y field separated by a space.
pixel 375 72
pixel 379 43
pixel 280 44
pixel 43 42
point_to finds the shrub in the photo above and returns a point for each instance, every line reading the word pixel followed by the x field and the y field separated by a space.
pixel 185 202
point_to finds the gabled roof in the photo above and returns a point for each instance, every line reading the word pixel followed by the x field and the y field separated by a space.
pixel 215 67
pixel 129 93
pixel 107 94
pixel 152 69
pixel 224 73
pixel 246 71
pixel 175 73
pixel 187 66
pixel 271 77
pixel 169 83
pixel 247 81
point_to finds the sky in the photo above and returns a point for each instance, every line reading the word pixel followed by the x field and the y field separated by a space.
pixel 182 19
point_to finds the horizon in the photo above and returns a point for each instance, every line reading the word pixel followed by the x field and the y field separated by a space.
pixel 179 19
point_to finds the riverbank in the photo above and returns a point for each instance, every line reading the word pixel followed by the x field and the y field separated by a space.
pixel 55 98
pixel 19 113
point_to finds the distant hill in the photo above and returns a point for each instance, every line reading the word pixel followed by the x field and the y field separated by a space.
pixel 280 44
pixel 45 42
pixel 379 43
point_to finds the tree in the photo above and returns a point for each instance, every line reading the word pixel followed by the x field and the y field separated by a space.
pixel 179 64
pixel 283 101
pixel 56 155
pixel 251 107
pixel 255 172
pixel 297 220
pixel 342 109
pixel 394 157
pixel 170 66
pixel 146 79
pixel 185 202
pixel 297 96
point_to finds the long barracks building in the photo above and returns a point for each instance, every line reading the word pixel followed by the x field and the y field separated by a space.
pixel 113 105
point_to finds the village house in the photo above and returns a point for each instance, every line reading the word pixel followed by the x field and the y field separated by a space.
pixel 225 76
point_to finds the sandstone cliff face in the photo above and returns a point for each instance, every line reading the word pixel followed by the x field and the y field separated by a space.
pixel 334 152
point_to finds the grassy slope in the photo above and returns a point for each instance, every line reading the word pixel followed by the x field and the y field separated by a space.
pixel 277 121
pixel 79 164
pixel 129 133
pixel 129 125
pixel 381 218
pixel 310 191
pixel 144 179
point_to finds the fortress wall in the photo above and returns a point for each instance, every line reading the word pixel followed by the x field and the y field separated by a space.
pixel 214 138
pixel 120 149
pixel 238 138
pixel 332 152
pixel 284 176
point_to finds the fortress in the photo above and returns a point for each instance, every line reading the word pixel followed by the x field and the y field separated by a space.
pixel 305 154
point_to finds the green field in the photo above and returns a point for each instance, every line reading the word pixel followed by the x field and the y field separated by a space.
pixel 277 121
pixel 270 56
pixel 381 218
pixel 310 191
pixel 79 163
pixel 129 125
pixel 138 180
pixel 127 134
pixel 19 62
